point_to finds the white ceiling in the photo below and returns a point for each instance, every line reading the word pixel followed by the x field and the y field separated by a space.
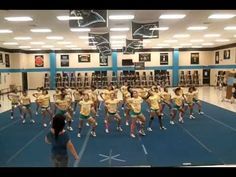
pixel 48 19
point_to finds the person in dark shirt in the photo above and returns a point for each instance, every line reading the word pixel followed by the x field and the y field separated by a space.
pixel 60 141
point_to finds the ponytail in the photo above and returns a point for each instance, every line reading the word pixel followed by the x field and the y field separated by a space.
pixel 58 124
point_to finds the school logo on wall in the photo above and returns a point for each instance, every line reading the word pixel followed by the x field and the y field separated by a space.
pixel 226 54
pixel 164 59
pixel 7 60
pixel 103 60
pixel 194 58
pixel 84 58
pixel 64 60
pixel 39 61
pixel 217 57
pixel 144 57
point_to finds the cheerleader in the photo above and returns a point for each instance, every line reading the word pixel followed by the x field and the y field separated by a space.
pixel 166 100
pixel 77 98
pixel 86 106
pixel 15 102
pixel 36 95
pixel 123 90
pixel 127 107
pixel 26 106
pixel 44 103
pixel 63 106
pixel 177 106
pixel 136 113
pixel 154 103
pixel 189 101
pixel 56 96
pixel 197 101
pixel 112 111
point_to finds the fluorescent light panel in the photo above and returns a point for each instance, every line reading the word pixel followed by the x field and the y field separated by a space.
pixel 197 28
pixel 181 35
pixel 222 40
pixel 42 30
pixel 35 49
pixel 18 19
pixel 230 28
pixel 221 16
pixel 160 28
pixel 121 17
pixel 10 43
pixel 22 38
pixel 55 37
pixel 212 35
pixel 2 31
pixel 63 42
pixel 172 16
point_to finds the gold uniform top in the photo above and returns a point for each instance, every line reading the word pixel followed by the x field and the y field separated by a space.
pixel 135 104
pixel 62 104
pixel 14 97
pixel 106 94
pixel 126 95
pixel 112 105
pixel 68 99
pixel 154 102
pixel 57 96
pixel 195 95
pixel 94 95
pixel 25 100
pixel 142 93
pixel 77 95
pixel 189 97
pixel 166 97
pixel 178 100
pixel 44 100
pixel 124 89
pixel 85 108
pixel 37 94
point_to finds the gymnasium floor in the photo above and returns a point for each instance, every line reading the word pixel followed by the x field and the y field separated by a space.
pixel 207 140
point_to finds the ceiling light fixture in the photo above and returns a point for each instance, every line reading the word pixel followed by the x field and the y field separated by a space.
pixel 221 16
pixel 80 29
pixel 172 16
pixel 121 17
pixel 42 30
pixel 18 19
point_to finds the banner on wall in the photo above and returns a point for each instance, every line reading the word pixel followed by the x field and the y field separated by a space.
pixel 145 30
pixel 144 57
pixel 64 60
pixel 84 58
pixel 1 58
pixel 194 58
pixel 131 45
pixel 7 60
pixel 88 18
pixel 226 54
pixel 139 65
pixel 103 60
pixel 217 57
pixel 39 60
pixel 164 59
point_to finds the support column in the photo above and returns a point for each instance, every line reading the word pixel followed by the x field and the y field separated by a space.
pixel 52 58
pixel 175 77
pixel 114 62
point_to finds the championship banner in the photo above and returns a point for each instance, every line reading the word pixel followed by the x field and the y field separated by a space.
pixel 145 30
pixel 145 57
pixel 39 60
pixel 164 59
pixel 88 18
pixel 139 65
pixel 103 60
pixel 98 39
pixel 84 58
pixel 131 45
pixel 194 58
pixel 64 60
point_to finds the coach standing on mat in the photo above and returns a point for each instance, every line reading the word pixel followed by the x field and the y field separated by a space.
pixel 60 141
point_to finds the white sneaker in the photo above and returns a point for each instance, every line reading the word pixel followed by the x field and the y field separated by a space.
pixel 191 117
pixel 65 121
pixel 93 133
pixel 132 135
pixel 122 108
pixel 36 113
pixel 149 129
pixel 106 130
pixel 97 115
pixel 148 110
pixel 162 128
pixel 119 129
pixel 142 132
pixel 78 135
pixel 87 124
pixel 162 114
pixel 45 125
pixel 72 120
pixel 21 117
pixel 201 112
pixel 70 128
pixel 181 120
pixel 74 112
pixel 12 117
pixel 32 121
pixel 23 121
pixel 127 123
pixel 172 122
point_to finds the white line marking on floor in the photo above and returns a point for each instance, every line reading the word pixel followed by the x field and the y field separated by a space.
pixel 76 163
pixel 25 146
pixel 144 149
pixel 233 129
pixel 8 125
